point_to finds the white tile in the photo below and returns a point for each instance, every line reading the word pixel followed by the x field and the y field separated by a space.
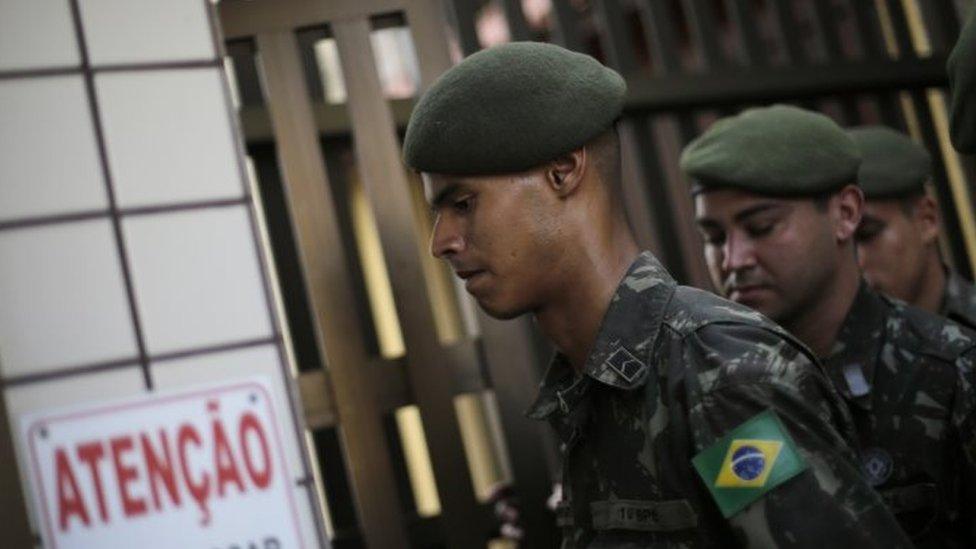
pixel 141 31
pixel 48 155
pixel 36 34
pixel 197 278
pixel 63 296
pixel 78 390
pixel 237 365
pixel 169 137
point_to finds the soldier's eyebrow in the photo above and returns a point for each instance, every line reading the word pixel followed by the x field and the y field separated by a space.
pixel 755 210
pixel 444 194
pixel 707 223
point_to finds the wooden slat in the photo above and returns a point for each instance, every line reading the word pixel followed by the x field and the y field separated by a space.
pixel 245 18
pixel 428 28
pixel 330 120
pixel 431 377
pixel 318 401
pixel 786 83
pixel 340 340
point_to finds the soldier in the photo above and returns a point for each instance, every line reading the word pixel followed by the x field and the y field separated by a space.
pixel 685 420
pixel 898 238
pixel 962 83
pixel 779 227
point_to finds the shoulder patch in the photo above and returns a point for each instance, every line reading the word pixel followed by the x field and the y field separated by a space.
pixel 749 461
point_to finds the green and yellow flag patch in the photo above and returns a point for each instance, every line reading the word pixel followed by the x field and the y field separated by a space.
pixel 749 461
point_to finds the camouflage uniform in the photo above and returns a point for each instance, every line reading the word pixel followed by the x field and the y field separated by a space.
pixel 673 369
pixel 908 378
pixel 959 302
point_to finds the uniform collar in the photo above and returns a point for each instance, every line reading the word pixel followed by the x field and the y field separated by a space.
pixel 621 352
pixel 959 300
pixel 853 360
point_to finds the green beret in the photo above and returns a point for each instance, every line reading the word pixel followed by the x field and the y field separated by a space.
pixel 778 150
pixel 893 165
pixel 962 83
pixel 511 108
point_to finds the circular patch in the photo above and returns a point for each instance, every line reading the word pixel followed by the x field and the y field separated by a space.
pixel 877 465
pixel 748 462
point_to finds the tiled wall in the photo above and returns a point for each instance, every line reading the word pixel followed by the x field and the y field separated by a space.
pixel 130 258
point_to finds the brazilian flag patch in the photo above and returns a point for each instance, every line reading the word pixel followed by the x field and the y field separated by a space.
pixel 751 460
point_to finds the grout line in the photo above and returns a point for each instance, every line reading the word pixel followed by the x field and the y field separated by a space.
pixel 110 190
pixel 95 367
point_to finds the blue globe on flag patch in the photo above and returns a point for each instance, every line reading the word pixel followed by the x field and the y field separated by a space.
pixel 748 462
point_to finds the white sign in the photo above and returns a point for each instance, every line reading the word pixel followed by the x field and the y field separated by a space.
pixel 201 469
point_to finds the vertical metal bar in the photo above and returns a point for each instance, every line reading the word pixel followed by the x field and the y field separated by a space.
pixel 463 14
pixel 873 45
pixel 829 36
pixel 789 31
pixel 826 29
pixel 616 37
pixel 565 30
pixel 648 227
pixel 517 26
pixel 679 254
pixel 241 53
pixel 704 32
pixel 752 47
pixel 662 42
pixel 661 199
pixel 312 209
pixel 430 373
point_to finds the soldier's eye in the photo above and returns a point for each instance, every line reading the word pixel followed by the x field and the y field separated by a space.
pixel 462 205
pixel 760 229
pixel 713 238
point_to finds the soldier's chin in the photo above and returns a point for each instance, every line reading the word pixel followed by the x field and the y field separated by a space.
pixel 501 311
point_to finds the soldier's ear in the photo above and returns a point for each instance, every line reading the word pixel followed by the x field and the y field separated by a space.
pixel 925 214
pixel 565 173
pixel 847 207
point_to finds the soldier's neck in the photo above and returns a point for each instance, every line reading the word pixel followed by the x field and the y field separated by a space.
pixel 573 321
pixel 931 286
pixel 818 326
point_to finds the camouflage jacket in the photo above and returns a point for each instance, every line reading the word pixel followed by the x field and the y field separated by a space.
pixel 673 369
pixel 959 301
pixel 908 378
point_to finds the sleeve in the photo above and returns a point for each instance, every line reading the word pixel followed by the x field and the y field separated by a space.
pixel 962 84
pixel 964 419
pixel 828 504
